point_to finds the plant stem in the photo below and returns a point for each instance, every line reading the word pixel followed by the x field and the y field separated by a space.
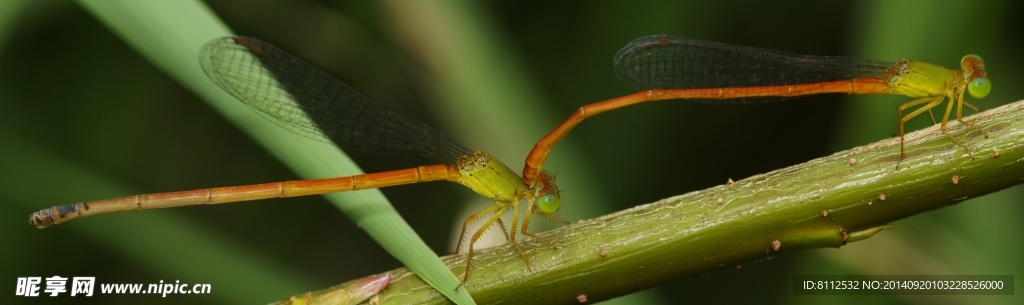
pixel 826 202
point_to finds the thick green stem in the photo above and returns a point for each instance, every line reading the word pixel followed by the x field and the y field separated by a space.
pixel 826 202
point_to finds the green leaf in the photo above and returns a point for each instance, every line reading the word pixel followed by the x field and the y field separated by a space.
pixel 170 34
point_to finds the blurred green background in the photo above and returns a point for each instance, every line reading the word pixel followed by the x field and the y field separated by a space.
pixel 85 117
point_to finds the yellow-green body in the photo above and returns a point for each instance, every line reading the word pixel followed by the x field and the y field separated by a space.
pixel 490 178
pixel 931 84
pixel 920 79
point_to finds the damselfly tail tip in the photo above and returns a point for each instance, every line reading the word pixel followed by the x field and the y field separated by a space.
pixel 41 219
pixel 55 215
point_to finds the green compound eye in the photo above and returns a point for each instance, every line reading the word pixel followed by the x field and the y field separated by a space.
pixel 549 203
pixel 979 87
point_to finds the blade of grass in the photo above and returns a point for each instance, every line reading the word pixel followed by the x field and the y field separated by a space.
pixel 170 34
